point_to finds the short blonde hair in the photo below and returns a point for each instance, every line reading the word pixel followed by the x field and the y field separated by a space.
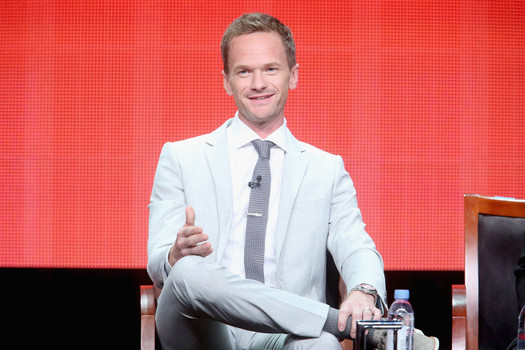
pixel 258 22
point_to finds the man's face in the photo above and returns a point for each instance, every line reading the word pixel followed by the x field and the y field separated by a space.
pixel 259 79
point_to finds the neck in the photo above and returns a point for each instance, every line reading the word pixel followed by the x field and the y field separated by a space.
pixel 263 129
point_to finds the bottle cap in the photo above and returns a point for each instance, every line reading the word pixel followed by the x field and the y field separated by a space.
pixel 401 294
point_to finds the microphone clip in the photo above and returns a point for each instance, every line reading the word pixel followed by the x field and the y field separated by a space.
pixel 253 184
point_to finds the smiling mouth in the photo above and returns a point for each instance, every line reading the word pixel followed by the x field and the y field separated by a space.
pixel 259 98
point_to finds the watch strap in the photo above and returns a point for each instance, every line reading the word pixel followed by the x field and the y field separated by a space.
pixel 367 289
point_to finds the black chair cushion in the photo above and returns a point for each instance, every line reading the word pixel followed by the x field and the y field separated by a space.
pixel 500 242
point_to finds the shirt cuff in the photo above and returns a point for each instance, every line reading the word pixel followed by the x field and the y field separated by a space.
pixel 167 266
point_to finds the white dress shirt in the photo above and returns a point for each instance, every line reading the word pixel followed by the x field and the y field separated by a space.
pixel 243 158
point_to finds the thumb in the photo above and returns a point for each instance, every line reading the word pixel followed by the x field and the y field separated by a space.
pixel 190 217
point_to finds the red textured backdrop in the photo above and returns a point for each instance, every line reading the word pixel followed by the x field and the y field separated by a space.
pixel 423 99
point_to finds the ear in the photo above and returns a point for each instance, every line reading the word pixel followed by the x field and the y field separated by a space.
pixel 226 83
pixel 294 77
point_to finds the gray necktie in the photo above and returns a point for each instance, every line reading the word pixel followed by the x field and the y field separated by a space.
pixel 257 215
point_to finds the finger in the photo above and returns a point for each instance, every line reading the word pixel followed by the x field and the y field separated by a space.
pixel 368 313
pixel 195 240
pixel 190 217
pixel 377 313
pixel 342 319
pixel 188 231
pixel 357 315
pixel 185 242
pixel 203 250
pixel 353 330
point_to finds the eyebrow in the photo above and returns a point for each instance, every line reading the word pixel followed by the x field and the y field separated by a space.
pixel 247 67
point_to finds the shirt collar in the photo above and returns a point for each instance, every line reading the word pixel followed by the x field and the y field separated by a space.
pixel 244 135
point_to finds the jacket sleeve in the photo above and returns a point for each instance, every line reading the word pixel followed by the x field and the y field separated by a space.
pixel 166 213
pixel 354 251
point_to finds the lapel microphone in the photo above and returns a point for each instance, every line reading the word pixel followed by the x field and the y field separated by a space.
pixel 253 184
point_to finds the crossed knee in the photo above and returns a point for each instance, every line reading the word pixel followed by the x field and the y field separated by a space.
pixel 184 273
pixel 324 341
pixel 194 275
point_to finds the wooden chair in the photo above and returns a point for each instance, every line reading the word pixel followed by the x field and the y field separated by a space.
pixel 485 308
pixel 148 306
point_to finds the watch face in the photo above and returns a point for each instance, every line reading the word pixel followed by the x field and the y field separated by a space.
pixel 369 288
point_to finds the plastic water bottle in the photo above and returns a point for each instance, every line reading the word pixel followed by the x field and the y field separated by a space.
pixel 521 330
pixel 401 310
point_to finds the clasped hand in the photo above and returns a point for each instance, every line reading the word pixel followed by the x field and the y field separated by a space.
pixel 361 307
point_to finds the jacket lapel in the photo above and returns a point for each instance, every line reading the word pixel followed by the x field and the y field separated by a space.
pixel 219 163
pixel 295 164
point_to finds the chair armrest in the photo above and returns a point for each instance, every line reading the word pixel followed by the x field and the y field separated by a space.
pixel 459 317
pixel 148 306
pixel 147 300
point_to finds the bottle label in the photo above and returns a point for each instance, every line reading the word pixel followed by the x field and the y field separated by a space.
pixel 401 339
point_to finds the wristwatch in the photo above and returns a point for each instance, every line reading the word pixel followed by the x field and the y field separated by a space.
pixel 367 289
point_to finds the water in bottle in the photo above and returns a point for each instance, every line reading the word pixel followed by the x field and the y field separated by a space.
pixel 401 310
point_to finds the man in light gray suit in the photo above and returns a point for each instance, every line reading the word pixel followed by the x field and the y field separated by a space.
pixel 200 209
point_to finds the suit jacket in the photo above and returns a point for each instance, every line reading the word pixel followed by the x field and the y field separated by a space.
pixel 318 212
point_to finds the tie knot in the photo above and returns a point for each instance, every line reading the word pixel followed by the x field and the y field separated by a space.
pixel 263 148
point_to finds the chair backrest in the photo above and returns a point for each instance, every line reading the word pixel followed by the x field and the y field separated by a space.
pixel 494 237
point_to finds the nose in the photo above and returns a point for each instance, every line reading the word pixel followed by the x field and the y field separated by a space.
pixel 258 81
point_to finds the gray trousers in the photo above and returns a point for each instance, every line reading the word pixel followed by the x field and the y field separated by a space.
pixel 205 306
